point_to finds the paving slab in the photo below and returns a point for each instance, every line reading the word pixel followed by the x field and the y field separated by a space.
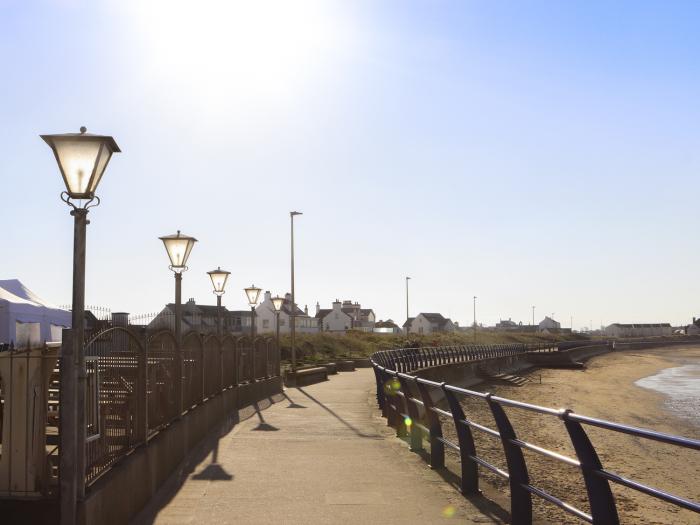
pixel 319 455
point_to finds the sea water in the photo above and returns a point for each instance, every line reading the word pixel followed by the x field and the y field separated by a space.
pixel 681 385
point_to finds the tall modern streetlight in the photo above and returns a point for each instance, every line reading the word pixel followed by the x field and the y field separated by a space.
pixel 253 294
pixel 178 247
pixel 292 315
pixel 277 303
pixel 533 316
pixel 475 319
pixel 218 281
pixel 407 279
pixel 82 159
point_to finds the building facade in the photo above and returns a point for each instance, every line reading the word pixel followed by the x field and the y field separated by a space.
pixel 638 329
pixel 427 323
pixel 266 321
pixel 345 316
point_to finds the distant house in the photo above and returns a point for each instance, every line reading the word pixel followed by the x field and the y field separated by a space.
pixel 427 323
pixel 407 324
pixel 386 327
pixel 265 319
pixel 549 325
pixel 345 316
pixel 694 328
pixel 506 324
pixel 202 318
pixel 638 329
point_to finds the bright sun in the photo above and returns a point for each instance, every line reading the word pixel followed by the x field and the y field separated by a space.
pixel 221 49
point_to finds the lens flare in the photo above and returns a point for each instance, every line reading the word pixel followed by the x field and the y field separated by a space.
pixel 392 386
pixel 408 422
pixel 448 512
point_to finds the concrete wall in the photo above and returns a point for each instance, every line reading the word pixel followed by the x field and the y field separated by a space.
pixel 128 486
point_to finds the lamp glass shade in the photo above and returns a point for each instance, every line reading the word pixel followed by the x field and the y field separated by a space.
pixel 178 247
pixel 218 280
pixel 82 159
pixel 253 294
pixel 277 303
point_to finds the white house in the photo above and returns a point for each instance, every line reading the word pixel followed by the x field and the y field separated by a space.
pixel 27 319
pixel 548 324
pixel 638 329
pixel 265 320
pixel 427 323
pixel 386 327
pixel 345 316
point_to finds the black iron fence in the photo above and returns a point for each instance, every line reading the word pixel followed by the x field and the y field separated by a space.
pixel 410 359
pixel 138 382
pixel 420 409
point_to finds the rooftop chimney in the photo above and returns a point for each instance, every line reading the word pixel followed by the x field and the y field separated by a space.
pixel 318 307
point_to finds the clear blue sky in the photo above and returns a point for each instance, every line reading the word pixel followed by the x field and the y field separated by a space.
pixel 542 153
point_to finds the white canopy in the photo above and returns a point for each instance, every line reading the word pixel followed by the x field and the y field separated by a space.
pixel 25 318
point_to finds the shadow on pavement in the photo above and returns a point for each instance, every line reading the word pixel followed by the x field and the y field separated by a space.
pixel 264 425
pixel 292 404
pixel 324 407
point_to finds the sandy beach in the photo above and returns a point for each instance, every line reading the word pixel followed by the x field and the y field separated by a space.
pixel 605 389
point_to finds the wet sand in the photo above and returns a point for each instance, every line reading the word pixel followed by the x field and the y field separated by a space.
pixel 605 389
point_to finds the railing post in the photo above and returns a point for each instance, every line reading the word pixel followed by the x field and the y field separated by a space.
pixel 380 391
pixel 437 447
pixel 415 432
pixel 141 392
pixel 520 499
pixel 600 497
pixel 470 470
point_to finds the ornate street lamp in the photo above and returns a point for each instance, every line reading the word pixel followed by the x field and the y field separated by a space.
pixel 178 248
pixel 82 159
pixel 218 281
pixel 277 303
pixel 253 294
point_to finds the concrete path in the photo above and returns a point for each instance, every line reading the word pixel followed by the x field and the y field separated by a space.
pixel 321 454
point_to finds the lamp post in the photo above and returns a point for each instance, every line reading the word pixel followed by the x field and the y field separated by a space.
pixel 475 319
pixel 292 316
pixel 277 303
pixel 407 279
pixel 253 294
pixel 533 316
pixel 218 281
pixel 82 159
pixel 178 248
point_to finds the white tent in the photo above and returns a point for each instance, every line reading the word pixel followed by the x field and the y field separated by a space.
pixel 27 319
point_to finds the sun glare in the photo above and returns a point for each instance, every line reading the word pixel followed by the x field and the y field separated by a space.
pixel 224 50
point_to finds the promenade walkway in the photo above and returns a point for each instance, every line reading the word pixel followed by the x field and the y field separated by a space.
pixel 320 454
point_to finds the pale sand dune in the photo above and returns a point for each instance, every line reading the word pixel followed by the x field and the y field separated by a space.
pixel 606 390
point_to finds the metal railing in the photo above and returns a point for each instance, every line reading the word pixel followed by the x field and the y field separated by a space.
pixel 132 383
pixel 418 408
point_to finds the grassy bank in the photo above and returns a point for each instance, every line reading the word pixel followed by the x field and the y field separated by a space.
pixel 326 346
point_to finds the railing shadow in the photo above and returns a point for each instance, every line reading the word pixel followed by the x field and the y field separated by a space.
pixel 350 426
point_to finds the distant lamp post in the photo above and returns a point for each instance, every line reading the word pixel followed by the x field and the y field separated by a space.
pixel 277 303
pixel 293 307
pixel 178 248
pixel 253 294
pixel 218 280
pixel 82 159
pixel 475 319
